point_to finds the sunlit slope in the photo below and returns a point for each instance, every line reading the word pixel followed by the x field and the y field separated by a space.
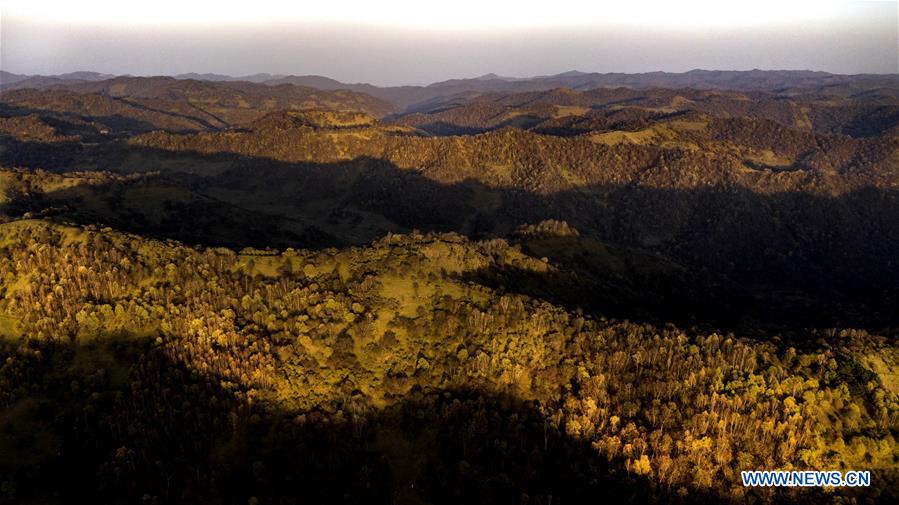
pixel 340 338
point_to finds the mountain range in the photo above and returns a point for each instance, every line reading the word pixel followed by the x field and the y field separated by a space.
pixel 405 97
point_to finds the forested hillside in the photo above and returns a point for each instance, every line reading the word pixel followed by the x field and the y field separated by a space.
pixel 385 364
pixel 232 292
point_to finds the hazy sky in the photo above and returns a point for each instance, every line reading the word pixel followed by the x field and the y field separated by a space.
pixel 422 41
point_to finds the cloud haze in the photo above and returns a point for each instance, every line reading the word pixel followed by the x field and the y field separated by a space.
pixel 851 37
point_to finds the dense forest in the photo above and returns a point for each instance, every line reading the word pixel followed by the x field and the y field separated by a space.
pixel 223 293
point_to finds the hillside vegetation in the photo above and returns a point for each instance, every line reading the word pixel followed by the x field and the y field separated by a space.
pixel 163 354
pixel 232 292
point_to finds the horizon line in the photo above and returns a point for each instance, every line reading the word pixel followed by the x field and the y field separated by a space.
pixel 485 76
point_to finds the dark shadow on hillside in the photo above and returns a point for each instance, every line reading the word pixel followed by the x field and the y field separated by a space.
pixel 197 119
pixel 873 122
pixel 721 255
pixel 444 128
pixel 658 297
pixel 115 125
pixel 162 433
pixel 85 125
